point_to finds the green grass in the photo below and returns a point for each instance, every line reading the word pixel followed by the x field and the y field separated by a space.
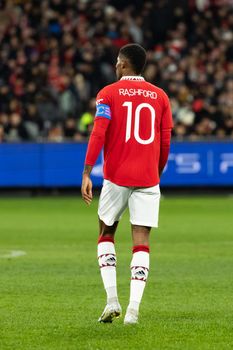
pixel 51 298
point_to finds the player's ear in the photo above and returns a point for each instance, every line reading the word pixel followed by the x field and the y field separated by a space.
pixel 124 63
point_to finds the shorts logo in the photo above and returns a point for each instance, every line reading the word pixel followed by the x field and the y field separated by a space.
pixel 103 111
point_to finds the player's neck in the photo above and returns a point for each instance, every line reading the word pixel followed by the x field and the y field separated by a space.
pixel 129 73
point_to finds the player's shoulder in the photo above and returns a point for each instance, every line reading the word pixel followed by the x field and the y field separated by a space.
pixel 109 88
pixel 106 94
pixel 160 93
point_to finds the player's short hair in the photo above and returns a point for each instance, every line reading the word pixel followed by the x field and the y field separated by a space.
pixel 136 55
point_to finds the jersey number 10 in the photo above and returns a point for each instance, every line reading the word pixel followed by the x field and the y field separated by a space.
pixel 137 122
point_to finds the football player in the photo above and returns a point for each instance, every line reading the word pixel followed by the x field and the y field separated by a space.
pixel 133 124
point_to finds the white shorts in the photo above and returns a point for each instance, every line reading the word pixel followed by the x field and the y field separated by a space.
pixel 143 204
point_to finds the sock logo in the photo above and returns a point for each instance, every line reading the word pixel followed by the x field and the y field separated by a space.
pixel 139 273
pixel 107 260
pixel 111 260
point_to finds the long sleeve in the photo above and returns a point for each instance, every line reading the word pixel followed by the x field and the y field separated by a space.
pixel 164 148
pixel 96 141
pixel 166 128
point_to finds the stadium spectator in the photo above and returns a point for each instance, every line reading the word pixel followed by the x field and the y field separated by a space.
pixel 16 130
pixel 55 55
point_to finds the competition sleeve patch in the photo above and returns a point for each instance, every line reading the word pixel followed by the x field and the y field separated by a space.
pixel 103 111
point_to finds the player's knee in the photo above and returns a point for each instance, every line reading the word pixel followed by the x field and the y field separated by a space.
pixel 141 229
pixel 108 230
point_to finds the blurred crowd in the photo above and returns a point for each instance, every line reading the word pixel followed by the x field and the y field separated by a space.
pixel 56 54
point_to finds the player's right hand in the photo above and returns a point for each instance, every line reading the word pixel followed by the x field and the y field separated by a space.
pixel 86 189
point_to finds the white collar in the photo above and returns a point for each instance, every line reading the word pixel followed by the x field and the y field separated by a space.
pixel 133 77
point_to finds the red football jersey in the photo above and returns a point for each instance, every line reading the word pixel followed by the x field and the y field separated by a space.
pixel 137 111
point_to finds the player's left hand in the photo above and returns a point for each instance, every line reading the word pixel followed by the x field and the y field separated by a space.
pixel 86 189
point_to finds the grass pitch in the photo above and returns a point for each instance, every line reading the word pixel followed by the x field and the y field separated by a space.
pixel 51 298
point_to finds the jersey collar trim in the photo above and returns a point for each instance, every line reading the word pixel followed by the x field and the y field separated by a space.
pixel 133 77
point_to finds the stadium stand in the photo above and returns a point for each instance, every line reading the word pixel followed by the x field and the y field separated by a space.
pixel 55 55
